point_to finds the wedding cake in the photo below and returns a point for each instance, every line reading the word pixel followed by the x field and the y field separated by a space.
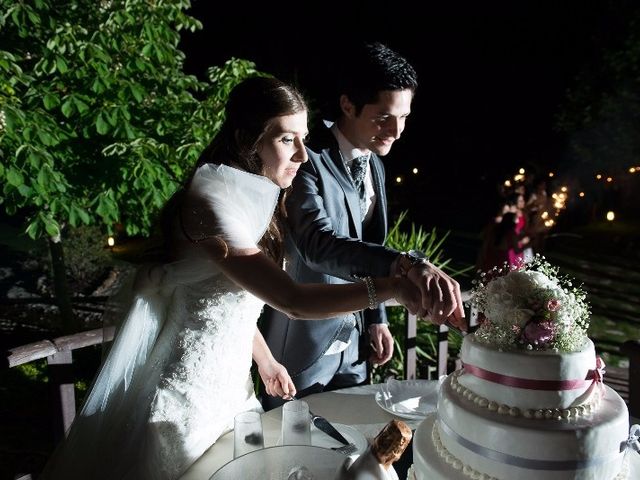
pixel 529 402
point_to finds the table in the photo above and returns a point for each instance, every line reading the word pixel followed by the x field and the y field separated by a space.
pixel 355 406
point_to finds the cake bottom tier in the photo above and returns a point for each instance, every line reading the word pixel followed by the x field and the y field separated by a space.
pixel 429 464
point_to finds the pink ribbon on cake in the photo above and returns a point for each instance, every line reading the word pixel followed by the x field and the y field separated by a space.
pixel 594 376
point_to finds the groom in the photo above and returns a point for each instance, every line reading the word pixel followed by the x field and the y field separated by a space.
pixel 337 219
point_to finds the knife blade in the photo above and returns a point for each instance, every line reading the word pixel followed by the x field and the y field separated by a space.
pixel 323 425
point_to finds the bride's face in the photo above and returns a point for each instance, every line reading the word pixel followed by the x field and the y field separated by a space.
pixel 282 148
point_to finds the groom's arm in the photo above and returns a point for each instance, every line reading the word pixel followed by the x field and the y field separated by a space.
pixel 322 248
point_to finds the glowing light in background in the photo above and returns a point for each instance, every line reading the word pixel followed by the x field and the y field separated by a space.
pixel 111 241
pixel 551 174
pixel 611 216
pixel 415 170
pixel 398 179
pixel 598 176
pixel 521 171
pixel 581 194
pixel 609 179
pixel 507 183
pixel 564 189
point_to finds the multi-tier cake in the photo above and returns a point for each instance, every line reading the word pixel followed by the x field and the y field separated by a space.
pixel 529 402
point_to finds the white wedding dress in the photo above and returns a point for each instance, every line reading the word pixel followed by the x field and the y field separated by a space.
pixel 179 367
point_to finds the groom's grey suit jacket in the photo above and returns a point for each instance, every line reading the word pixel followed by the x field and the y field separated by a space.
pixel 327 243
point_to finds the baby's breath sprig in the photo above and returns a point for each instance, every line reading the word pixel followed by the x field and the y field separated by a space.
pixel 530 307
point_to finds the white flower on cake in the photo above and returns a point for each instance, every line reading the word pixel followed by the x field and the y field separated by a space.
pixel 530 307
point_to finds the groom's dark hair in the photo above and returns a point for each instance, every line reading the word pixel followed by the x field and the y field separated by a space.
pixel 367 69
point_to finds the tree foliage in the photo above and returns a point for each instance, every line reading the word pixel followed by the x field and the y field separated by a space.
pixel 98 121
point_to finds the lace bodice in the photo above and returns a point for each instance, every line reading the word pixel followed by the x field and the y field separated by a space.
pixel 178 371
pixel 204 381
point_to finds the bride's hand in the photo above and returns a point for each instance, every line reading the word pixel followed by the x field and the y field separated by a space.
pixel 277 381
pixel 408 294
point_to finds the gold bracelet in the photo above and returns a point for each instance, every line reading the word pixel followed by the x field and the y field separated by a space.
pixel 371 292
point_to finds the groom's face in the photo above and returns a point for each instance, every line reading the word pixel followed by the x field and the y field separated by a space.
pixel 380 124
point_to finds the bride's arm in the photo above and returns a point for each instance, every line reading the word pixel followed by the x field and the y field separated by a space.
pixel 248 267
pixel 274 375
pixel 257 273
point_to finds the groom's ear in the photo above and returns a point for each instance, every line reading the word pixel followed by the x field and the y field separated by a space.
pixel 347 107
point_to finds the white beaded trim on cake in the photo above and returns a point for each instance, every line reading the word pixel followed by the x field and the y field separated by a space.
pixel 540 413
pixel 466 470
pixel 453 461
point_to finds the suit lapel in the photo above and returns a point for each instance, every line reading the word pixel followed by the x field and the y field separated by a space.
pixel 380 214
pixel 333 160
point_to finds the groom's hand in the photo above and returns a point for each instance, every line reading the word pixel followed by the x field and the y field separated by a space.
pixel 441 298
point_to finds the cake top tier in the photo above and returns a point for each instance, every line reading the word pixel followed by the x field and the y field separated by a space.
pixel 530 307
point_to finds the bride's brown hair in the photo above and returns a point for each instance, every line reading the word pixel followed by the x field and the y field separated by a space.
pixel 249 113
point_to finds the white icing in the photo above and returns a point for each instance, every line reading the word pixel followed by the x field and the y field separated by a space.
pixel 430 465
pixel 539 413
pixel 530 365
pixel 597 436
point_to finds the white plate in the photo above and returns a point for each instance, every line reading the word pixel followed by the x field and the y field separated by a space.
pixel 321 439
pixel 277 463
pixel 410 399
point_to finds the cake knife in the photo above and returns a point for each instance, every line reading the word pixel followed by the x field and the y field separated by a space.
pixel 323 425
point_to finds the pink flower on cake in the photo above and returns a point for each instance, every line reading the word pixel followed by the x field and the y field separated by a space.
pixel 532 308
pixel 553 305
pixel 539 332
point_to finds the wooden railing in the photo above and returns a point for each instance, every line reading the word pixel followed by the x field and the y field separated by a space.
pixel 59 355
pixel 442 352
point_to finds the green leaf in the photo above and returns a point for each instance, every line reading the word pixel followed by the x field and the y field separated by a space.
pixel 84 216
pixel 52 227
pixel 107 209
pixel 50 101
pixel 137 91
pixel 57 206
pixel 14 177
pixel 34 229
pixel 97 86
pixel 44 177
pixel 62 65
pixel 25 190
pixel 27 134
pixel 67 107
pixel 73 217
pixel 101 126
pixel 45 138
pixel 131 134
pixel 13 117
pixel 80 105
pixel 34 158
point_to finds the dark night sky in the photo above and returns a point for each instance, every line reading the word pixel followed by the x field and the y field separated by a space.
pixel 492 77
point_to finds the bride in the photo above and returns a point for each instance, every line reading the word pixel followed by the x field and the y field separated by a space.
pixel 179 368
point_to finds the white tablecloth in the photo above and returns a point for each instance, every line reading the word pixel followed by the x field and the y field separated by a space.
pixel 354 406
